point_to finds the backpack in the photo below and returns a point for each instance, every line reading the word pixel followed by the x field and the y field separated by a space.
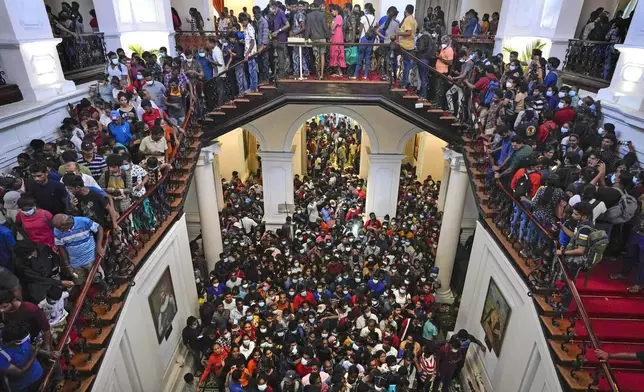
pixel 523 186
pixel 370 34
pixel 623 211
pixel 488 95
pixel 597 243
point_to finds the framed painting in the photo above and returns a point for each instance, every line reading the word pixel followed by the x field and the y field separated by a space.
pixel 495 317
pixel 163 305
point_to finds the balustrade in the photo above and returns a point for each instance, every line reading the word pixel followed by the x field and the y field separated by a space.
pixel 82 51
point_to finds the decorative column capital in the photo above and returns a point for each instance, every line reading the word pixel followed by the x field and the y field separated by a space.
pixel 386 158
pixel 276 156
pixel 456 160
pixel 207 154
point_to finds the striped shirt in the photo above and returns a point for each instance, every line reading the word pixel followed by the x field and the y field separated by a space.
pixel 79 241
pixel 427 367
pixel 96 165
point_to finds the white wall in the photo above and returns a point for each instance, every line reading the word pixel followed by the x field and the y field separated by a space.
pixel 85 7
pixel 480 6
pixel 524 364
pixel 191 209
pixel 204 6
pixel 135 361
pixel 21 122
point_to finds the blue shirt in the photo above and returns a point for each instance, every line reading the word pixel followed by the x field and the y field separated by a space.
pixel 378 288
pixel 550 79
pixel 279 22
pixel 206 66
pixel 121 133
pixel 7 242
pixel 469 28
pixel 79 241
pixel 19 356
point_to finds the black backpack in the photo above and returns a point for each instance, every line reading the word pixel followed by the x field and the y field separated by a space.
pixel 523 186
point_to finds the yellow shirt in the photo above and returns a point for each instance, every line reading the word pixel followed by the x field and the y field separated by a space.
pixel 408 24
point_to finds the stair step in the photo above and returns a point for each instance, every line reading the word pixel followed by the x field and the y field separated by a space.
pixel 449 118
pixel 119 291
pixel 177 191
pixel 241 100
pixel 254 94
pixel 81 385
pixel 228 107
pixel 197 135
pixel 97 336
pixel 574 349
pixel 398 90
pixel 218 113
pixel 435 111
pixel 488 211
pixel 176 202
pixel 614 307
pixel 154 238
pixel 195 145
pixel 108 312
pixel 476 172
pixel 627 380
pixel 411 96
pixel 183 178
pixel 267 87
pixel 610 330
pixel 545 307
pixel 473 151
pixel 85 362
pixel 579 382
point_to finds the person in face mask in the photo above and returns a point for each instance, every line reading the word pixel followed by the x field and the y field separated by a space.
pixel 367 315
pixel 564 112
pixel 115 68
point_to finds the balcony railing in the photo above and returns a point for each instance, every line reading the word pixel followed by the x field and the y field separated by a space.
pixel 141 227
pixel 82 56
pixel 590 63
pixel 193 40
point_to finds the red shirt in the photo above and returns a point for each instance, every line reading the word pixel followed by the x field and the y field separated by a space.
pixel 299 300
pixel 456 30
pixel 302 370
pixel 30 315
pixel 149 118
pixel 564 115
pixel 214 364
pixel 373 223
pixel 544 130
pixel 38 227
pixel 535 181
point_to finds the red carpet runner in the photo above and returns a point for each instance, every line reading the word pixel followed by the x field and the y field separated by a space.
pixel 617 318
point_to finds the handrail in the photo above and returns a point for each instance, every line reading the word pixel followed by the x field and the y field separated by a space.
pixel 73 316
pixel 79 35
pixel 592 42
pixel 573 290
pixel 534 220
pixel 608 371
pixel 309 43
pixel 432 69
pixel 194 32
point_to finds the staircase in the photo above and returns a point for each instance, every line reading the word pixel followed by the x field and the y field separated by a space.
pixel 97 309
pixel 616 317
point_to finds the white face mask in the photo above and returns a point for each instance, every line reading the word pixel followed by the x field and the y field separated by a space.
pixel 560 105
pixel 261 387
pixel 509 84
pixel 561 94
pixel 443 46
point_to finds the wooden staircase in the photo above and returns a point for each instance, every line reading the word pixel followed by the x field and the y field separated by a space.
pixel 89 345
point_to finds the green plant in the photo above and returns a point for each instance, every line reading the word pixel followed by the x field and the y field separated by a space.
pixel 138 49
pixel 525 57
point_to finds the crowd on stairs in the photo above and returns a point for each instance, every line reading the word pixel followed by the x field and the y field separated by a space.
pixel 57 205
pixel 333 300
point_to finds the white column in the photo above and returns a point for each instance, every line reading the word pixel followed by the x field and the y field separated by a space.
pixel 522 22
pixel 627 86
pixel 451 224
pixel 382 184
pixel 277 180
pixel 28 50
pixel 440 204
pixel 208 216
pixel 147 23
pixel 219 188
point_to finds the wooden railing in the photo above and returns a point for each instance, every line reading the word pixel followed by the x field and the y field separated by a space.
pixel 193 40
pixel 110 244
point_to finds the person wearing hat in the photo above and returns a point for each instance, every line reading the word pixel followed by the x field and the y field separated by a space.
pixel 119 129
pixel 94 162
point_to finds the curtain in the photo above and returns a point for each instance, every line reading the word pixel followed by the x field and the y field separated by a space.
pixel 219 6
pixel 449 7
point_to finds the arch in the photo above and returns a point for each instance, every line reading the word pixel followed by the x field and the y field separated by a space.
pixel 288 141
pixel 400 149
pixel 258 135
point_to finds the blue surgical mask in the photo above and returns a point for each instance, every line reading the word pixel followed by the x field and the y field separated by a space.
pixel 561 94
pixel 163 54
pixel 125 167
pixel 572 93
pixel 548 93
pixel 612 178
pixel 115 61
pixel 560 105
pixel 29 212
pixel 564 130
pixel 513 67
pixel 139 77
pixel 600 131
pixel 201 54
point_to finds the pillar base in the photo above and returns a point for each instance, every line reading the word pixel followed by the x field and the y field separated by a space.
pixel 274 222
pixel 630 101
pixel 445 297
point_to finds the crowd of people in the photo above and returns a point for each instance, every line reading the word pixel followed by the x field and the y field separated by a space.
pixel 332 300
pixel 549 147
pixel 57 203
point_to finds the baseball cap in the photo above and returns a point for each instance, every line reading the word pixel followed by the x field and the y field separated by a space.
pixel 115 115
pixel 87 146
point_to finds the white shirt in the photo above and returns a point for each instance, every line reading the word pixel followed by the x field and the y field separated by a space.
pixel 361 321
pixel 55 313
pixel 247 351
pixel 366 21
pixel 249 37
pixel 218 57
pixel 248 224
pixel 599 209
pixel 120 71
